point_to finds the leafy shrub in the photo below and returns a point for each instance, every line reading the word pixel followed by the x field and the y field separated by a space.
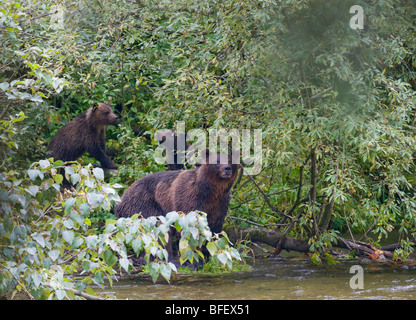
pixel 49 237
pixel 135 156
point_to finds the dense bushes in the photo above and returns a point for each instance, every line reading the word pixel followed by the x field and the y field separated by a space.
pixel 47 237
pixel 335 105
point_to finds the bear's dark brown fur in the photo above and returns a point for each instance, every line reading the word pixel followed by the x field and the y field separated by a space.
pixel 85 133
pixel 206 188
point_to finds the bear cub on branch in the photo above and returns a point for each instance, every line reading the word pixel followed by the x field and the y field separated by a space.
pixel 85 133
pixel 205 188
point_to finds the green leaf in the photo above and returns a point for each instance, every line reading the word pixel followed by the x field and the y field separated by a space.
pixel 68 236
pixel 154 271
pixel 86 265
pixel 171 217
pixel 99 279
pixel 37 279
pixel 44 164
pixel 98 173
pixel 4 86
pixel 235 254
pixel 33 190
pixel 94 199
pixel 54 254
pixel 90 291
pixel 110 258
pixel 84 208
pixel 172 266
pixel 121 224
pixel 47 262
pixel 60 294
pixel 146 239
pixel 137 245
pixel 75 178
pixel 8 224
pixel 58 178
pixel 223 258
pixel 110 228
pixel 81 284
pixel 222 243
pixel 184 221
pixel 76 243
pixel 194 231
pixel 166 271
pixel 34 98
pixel 69 224
pixel 90 183
pixel 39 239
pixel 189 255
pixel 70 294
pixel 91 241
pixel 31 250
pixel 33 174
pixel 69 203
pixel 124 262
pixel 212 248
pixel 183 245
pixel 69 170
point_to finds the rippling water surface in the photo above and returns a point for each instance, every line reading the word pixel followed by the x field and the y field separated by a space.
pixel 279 278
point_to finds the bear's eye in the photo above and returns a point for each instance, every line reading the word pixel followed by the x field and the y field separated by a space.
pixel 107 113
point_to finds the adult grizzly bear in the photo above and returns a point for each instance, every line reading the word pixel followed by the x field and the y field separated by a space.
pixel 206 188
pixel 85 133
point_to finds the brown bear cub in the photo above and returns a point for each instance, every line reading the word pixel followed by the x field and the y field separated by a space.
pixel 85 133
pixel 205 188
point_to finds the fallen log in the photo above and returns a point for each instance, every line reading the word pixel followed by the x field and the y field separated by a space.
pixel 272 237
pixel 363 248
pixel 268 236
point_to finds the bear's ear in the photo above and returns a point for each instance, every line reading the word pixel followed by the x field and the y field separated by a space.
pixel 94 106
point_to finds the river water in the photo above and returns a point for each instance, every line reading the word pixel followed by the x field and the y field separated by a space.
pixel 279 278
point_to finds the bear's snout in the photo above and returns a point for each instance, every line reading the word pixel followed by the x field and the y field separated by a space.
pixel 226 172
pixel 114 120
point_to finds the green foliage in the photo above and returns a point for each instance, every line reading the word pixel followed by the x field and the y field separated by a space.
pixel 335 105
pixel 8 143
pixel 320 245
pixel 136 158
pixel 49 237
pixel 30 73
pixel 343 98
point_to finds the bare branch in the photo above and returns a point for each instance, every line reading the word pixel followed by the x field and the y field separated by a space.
pixel 275 209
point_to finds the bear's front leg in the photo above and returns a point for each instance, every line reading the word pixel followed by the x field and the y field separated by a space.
pixel 98 153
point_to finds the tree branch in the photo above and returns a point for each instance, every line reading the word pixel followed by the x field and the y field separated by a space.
pixel 86 295
pixel 272 237
pixel 268 236
pixel 255 223
pixel 22 285
pixel 81 294
pixel 268 194
pixel 275 209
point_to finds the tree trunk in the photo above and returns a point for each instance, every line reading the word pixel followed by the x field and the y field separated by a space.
pixel 326 216
pixel 312 193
